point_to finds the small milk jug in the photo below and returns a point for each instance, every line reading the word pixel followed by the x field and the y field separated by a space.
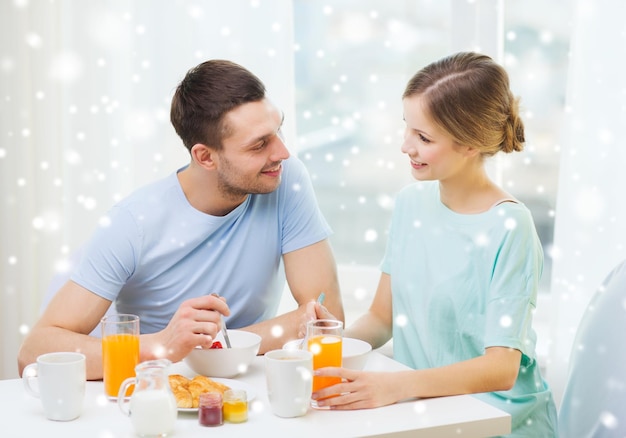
pixel 152 407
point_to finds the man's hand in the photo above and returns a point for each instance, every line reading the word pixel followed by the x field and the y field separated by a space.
pixel 196 323
pixel 314 310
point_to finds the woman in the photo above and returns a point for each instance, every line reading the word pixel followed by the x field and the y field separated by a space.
pixel 463 261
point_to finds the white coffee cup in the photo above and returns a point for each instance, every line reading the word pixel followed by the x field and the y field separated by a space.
pixel 61 380
pixel 289 375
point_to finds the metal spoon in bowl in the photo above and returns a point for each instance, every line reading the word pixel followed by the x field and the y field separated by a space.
pixel 224 331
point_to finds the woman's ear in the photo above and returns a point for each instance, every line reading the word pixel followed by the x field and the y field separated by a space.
pixel 472 152
pixel 203 155
pixel 469 151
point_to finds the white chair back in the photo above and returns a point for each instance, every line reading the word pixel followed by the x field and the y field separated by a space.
pixel 594 401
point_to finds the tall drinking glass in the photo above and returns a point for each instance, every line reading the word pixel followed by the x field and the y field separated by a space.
pixel 120 351
pixel 324 340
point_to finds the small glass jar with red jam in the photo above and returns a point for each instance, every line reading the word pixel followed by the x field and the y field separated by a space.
pixel 210 409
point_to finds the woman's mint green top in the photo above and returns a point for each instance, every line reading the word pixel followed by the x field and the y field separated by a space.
pixel 464 282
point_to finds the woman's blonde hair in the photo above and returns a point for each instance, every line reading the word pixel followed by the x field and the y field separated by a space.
pixel 468 96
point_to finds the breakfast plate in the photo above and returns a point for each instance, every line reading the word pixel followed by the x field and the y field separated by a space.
pixel 233 384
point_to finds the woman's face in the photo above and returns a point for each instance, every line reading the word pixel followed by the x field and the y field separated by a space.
pixel 434 154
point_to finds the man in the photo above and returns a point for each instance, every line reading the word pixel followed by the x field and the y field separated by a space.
pixel 218 226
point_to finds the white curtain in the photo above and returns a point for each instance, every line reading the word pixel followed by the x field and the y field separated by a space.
pixel 590 228
pixel 84 118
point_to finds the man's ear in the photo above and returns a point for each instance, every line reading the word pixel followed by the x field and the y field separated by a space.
pixel 203 155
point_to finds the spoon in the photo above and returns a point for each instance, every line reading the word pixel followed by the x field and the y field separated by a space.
pixel 224 331
pixel 320 299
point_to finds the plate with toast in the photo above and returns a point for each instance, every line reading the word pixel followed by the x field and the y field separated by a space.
pixel 187 390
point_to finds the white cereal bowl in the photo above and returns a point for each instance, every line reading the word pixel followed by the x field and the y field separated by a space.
pixel 355 352
pixel 226 362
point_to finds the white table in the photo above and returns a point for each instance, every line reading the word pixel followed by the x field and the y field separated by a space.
pixel 21 415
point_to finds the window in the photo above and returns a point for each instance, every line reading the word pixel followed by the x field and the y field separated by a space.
pixel 352 62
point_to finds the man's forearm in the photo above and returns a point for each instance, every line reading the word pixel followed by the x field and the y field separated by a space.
pixel 45 340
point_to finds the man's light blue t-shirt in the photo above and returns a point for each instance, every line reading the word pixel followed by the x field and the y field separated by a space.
pixel 154 250
pixel 462 283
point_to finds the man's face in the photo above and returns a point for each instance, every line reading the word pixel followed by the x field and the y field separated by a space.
pixel 251 155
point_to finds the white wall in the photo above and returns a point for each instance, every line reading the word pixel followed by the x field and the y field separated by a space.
pixel 85 89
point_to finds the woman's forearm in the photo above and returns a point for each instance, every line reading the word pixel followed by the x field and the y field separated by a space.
pixel 370 329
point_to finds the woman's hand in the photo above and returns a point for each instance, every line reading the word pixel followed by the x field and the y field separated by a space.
pixel 359 389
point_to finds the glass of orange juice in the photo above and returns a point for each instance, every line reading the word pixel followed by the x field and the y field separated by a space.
pixel 324 339
pixel 120 351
